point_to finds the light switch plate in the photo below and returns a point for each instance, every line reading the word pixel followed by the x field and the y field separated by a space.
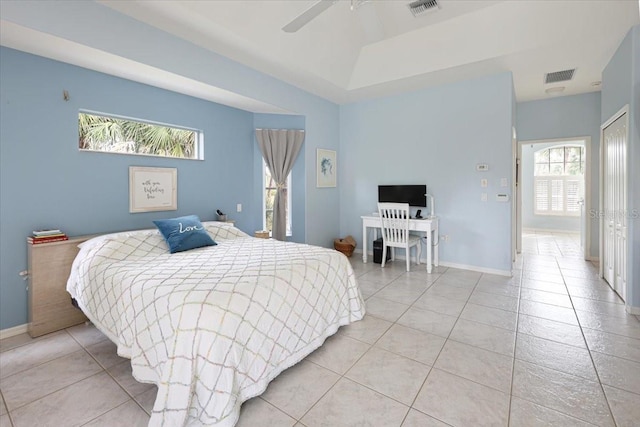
pixel 483 197
pixel 239 207
pixel 484 183
pixel 504 182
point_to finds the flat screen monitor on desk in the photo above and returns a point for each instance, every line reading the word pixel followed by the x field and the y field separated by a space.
pixel 415 195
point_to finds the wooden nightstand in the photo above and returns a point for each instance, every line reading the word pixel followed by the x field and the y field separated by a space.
pixel 50 307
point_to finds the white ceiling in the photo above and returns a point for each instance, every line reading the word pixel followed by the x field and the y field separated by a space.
pixel 346 55
pixel 379 48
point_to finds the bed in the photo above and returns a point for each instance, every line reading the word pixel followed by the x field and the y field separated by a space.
pixel 211 327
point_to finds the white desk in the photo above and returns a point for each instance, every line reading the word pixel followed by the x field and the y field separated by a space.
pixel 428 225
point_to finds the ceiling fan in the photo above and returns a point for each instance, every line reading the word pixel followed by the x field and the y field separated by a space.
pixel 316 9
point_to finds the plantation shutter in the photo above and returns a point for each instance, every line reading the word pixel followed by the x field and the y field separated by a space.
pixel 573 196
pixel 557 195
pixel 541 196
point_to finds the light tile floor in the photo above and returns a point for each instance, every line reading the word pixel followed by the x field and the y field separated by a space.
pixel 550 346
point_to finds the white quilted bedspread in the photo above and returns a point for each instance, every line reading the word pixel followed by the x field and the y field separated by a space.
pixel 212 326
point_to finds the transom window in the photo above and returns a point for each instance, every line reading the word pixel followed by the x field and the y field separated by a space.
pixel 565 160
pixel 128 136
pixel 558 180
pixel 269 198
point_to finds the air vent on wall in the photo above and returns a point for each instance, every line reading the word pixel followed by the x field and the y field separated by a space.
pixel 420 7
pixel 559 76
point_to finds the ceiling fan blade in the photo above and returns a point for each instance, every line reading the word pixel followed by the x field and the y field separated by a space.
pixel 305 17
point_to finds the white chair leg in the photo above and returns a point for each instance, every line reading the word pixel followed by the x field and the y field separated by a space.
pixel 384 254
pixel 419 251
pixel 408 257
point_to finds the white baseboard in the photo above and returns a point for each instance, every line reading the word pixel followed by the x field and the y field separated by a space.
pixel 12 332
pixel 495 271
pixel 550 230
pixel 507 273
pixel 633 310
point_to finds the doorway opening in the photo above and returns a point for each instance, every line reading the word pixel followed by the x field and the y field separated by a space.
pixel 553 194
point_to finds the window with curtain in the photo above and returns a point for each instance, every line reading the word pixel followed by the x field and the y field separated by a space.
pixel 558 180
pixel 269 196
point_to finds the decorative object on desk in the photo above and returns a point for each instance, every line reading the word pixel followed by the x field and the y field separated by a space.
pixel 327 169
pixel 221 216
pixel 279 148
pixel 47 236
pixel 153 189
pixel 262 234
pixel 346 245
pixel 432 206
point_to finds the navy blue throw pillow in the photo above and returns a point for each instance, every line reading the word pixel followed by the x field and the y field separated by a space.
pixel 184 233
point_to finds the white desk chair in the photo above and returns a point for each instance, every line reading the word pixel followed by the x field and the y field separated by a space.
pixel 395 230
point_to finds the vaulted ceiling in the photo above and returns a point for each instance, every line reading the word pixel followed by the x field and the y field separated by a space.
pixel 379 47
pixel 359 49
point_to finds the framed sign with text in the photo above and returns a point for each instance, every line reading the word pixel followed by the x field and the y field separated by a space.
pixel 153 189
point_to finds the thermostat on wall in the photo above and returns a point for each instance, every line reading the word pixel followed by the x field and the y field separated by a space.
pixel 502 197
pixel 482 167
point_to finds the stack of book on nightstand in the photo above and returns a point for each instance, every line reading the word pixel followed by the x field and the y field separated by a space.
pixel 47 236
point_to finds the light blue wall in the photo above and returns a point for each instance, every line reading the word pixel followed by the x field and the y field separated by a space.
pixel 280 121
pixel 620 87
pixel 617 79
pixel 567 117
pixel 529 219
pixel 93 24
pixel 47 182
pixel 435 137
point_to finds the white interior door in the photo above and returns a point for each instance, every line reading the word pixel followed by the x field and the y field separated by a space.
pixel 614 254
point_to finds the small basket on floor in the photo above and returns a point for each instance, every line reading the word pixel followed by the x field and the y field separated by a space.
pixel 346 245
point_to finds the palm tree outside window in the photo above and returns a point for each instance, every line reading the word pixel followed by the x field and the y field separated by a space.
pixel 126 136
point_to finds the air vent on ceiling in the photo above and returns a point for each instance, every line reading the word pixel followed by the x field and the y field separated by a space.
pixel 559 76
pixel 420 7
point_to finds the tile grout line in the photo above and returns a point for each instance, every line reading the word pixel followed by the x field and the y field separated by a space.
pixel 585 341
pixel 595 369
pixel 341 376
pixel 82 348
pixel 7 413
pixel 443 345
pixel 515 343
pixel 105 370
pixel 373 345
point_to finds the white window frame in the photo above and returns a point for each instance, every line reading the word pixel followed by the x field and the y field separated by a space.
pixel 569 207
pixel 264 201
